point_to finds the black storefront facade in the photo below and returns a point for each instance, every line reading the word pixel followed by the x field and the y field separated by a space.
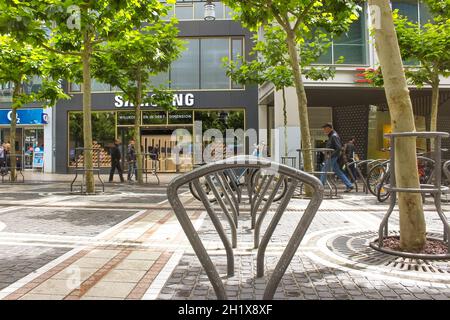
pixel 204 95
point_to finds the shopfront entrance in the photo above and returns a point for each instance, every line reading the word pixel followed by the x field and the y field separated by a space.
pixel 157 134
pixel 160 144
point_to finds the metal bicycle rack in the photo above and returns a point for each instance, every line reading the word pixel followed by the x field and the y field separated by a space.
pixel 152 169
pixel 83 170
pixel 436 189
pixel 19 167
pixel 327 170
pixel 446 169
pixel 227 197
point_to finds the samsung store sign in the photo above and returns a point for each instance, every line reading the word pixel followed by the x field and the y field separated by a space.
pixel 179 100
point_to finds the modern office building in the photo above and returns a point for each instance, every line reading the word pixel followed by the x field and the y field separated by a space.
pixel 354 107
pixel 34 131
pixel 203 92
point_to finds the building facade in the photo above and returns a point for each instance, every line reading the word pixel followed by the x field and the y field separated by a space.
pixel 355 108
pixel 203 92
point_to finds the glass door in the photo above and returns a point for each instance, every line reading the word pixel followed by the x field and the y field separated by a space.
pixel 33 140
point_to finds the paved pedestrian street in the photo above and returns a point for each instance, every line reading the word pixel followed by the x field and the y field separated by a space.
pixel 128 244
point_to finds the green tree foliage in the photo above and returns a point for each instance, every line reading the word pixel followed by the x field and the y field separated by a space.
pixel 129 62
pixel 429 46
pixel 270 62
pixel 78 28
pixel 303 22
pixel 19 63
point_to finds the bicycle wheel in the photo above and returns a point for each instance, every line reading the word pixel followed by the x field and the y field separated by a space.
pixel 257 180
pixel 382 193
pixel 375 176
pixel 204 185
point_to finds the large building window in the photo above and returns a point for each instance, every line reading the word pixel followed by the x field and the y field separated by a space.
pixel 416 10
pixel 185 72
pixel 199 67
pixel 103 135
pixel 351 45
pixel 194 10
pixel 213 75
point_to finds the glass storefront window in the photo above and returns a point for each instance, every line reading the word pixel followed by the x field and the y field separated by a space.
pixel 379 125
pixel 103 135
pixel 154 132
pixel 222 120
pixel 5 134
pixel 213 75
pixel 185 72
pixel 125 118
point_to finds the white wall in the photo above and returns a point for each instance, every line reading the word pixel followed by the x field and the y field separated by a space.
pixel 48 141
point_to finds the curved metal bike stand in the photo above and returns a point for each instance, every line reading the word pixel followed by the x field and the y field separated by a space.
pixel 153 169
pixel 212 173
pixel 446 169
pixel 355 179
pixel 436 189
pixel 360 174
pixel 83 170
pixel 327 170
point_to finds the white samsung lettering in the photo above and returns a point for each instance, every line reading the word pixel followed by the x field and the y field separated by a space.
pixel 153 104
pixel 189 100
pixel 119 101
pixel 179 100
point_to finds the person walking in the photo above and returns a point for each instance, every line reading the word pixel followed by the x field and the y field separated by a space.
pixel 3 168
pixel 351 156
pixel 115 161
pixel 131 158
pixel 334 142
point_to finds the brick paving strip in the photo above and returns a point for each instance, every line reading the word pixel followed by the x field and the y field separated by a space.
pixel 102 271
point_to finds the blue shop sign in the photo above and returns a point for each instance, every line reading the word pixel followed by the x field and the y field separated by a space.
pixel 24 116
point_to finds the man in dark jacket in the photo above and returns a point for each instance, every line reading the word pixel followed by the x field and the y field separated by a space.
pixel 131 158
pixel 115 161
pixel 334 142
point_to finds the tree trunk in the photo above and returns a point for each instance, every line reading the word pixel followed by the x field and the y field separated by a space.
pixel 137 133
pixel 302 101
pixel 412 222
pixel 12 136
pixel 434 107
pixel 87 113
pixel 285 123
pixel 302 106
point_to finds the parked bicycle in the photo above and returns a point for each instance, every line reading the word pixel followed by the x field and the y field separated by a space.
pixel 253 180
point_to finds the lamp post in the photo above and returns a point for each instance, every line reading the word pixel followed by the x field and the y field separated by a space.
pixel 210 11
